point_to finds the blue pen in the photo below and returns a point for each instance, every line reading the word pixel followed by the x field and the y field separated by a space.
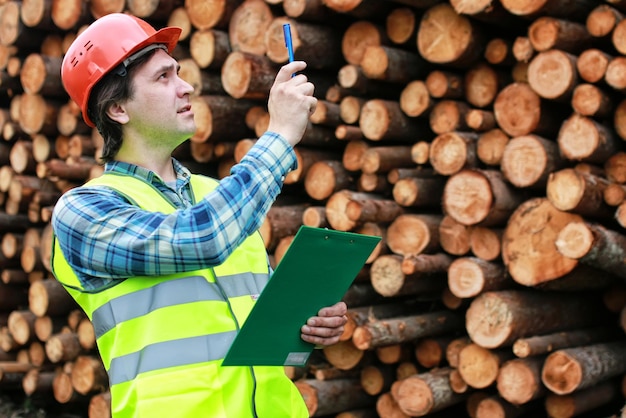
pixel 288 42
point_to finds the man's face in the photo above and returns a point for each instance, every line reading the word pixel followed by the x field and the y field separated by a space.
pixel 160 109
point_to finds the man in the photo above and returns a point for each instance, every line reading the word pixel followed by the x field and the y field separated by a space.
pixel 167 264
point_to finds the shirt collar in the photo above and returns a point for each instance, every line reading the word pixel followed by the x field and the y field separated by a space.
pixel 182 173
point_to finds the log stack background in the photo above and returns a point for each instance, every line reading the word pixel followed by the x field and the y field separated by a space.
pixel 483 140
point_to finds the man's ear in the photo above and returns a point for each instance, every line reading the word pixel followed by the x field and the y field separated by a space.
pixel 117 113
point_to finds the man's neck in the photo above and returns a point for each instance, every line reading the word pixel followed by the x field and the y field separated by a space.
pixel 153 156
pixel 163 167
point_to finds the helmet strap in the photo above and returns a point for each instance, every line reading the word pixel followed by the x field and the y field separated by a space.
pixel 121 69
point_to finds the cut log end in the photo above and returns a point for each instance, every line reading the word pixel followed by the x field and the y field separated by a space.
pixel 456 204
pixel 417 397
pixel 465 278
pixel 516 382
pixel 528 247
pixel 517 109
pixel 444 35
pixel 561 374
pixel 565 189
pixel 575 240
pixel 478 366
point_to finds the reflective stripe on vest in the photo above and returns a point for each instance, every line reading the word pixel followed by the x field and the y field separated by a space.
pixel 171 292
pixel 162 339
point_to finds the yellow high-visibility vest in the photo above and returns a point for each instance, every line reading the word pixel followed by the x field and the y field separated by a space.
pixel 162 339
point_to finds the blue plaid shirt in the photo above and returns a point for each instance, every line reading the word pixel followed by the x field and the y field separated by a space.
pixel 105 238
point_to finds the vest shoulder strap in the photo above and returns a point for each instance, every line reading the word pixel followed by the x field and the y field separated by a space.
pixel 142 194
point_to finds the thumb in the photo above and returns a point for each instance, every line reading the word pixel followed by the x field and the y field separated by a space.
pixel 288 69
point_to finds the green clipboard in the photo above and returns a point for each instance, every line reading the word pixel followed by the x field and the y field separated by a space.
pixel 316 271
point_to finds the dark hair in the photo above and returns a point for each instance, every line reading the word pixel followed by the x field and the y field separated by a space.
pixel 115 87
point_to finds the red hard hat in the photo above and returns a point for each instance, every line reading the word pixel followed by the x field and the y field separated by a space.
pixel 103 46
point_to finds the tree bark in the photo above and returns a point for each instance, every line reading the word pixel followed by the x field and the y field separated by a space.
pixel 362 315
pixel 419 192
pixel 515 314
pixel 542 344
pixel 40 75
pixel 222 118
pixel 388 279
pixel 48 297
pixel 480 120
pixel 383 120
pixel 548 32
pixel 583 139
pixel 319 45
pixel 571 8
pixel 373 210
pixel 581 401
pixel 447 85
pixel 404 329
pixel 425 393
pixel 381 159
pixel 64 346
pixel 572 369
pixel 37 382
pixel 336 208
pixel 576 192
pixel 332 396
pixel 281 221
pixel 393 65
pixel 325 178
pixel 470 276
pixel 249 76
pixel 595 245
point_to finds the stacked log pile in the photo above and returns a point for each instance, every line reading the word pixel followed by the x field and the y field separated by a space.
pixel 482 140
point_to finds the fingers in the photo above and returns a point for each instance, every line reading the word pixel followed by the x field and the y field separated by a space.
pixel 291 103
pixel 326 328
pixel 326 334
